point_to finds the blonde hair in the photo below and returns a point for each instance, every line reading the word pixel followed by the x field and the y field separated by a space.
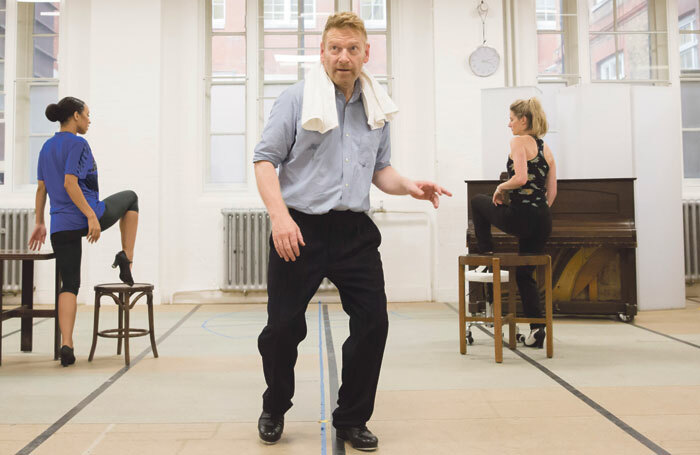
pixel 532 110
pixel 342 20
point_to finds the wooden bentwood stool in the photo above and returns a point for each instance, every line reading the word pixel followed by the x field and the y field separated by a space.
pixel 121 294
pixel 509 262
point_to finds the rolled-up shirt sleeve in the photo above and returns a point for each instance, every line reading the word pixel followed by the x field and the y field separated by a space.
pixel 279 133
pixel 384 151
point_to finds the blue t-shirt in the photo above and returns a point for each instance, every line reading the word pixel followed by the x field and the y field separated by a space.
pixel 65 153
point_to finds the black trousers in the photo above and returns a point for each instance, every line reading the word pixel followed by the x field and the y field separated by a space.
pixel 342 246
pixel 531 225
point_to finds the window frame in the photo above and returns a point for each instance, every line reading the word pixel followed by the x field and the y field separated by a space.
pixel 254 81
pixel 3 95
pixel 568 31
pixel 657 51
pixel 211 81
pixel 23 174
pixel 690 184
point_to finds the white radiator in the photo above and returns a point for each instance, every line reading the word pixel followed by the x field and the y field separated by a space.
pixel 247 248
pixel 691 239
pixel 15 228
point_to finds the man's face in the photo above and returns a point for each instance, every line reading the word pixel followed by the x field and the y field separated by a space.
pixel 343 53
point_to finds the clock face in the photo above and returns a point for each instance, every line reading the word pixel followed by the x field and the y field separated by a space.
pixel 484 61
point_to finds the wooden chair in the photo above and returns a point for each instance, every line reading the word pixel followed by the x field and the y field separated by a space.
pixel 509 262
pixel 121 294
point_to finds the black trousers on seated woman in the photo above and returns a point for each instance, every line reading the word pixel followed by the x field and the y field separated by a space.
pixel 531 225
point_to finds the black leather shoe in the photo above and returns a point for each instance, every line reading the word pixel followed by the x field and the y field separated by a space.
pixel 270 427
pixel 67 356
pixel 360 438
pixel 121 261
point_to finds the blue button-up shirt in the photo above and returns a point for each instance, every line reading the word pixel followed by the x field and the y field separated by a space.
pixel 323 172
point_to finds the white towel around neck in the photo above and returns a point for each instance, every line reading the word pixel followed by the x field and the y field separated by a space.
pixel 318 111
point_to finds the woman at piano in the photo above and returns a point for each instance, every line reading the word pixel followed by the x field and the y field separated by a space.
pixel 532 186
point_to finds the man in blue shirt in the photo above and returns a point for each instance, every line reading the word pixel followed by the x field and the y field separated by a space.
pixel 320 229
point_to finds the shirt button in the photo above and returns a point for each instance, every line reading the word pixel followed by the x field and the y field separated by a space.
pixel 346 185
pixel 346 160
pixel 347 134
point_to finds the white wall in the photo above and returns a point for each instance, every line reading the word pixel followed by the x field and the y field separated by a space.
pixel 658 167
pixel 457 32
pixel 144 84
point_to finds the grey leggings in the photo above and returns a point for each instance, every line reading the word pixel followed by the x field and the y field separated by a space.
pixel 67 244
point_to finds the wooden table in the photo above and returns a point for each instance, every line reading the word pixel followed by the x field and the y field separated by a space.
pixel 26 309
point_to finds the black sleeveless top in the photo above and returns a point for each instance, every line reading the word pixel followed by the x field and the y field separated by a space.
pixel 533 192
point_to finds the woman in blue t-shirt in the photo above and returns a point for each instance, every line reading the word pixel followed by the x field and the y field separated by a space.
pixel 68 173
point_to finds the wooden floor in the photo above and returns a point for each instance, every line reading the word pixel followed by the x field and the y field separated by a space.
pixel 611 388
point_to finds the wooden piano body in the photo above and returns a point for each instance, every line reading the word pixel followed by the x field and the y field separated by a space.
pixel 593 245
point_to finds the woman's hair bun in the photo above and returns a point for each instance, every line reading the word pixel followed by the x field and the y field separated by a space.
pixel 53 112
pixel 64 109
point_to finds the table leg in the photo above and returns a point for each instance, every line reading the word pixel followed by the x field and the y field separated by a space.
pixel 462 311
pixel 2 280
pixel 27 304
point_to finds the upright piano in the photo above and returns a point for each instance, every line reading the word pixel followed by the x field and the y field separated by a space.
pixel 593 245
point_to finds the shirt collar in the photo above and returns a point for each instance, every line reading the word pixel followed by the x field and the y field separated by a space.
pixel 356 92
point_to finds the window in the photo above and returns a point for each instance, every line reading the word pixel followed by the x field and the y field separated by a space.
pixel 285 14
pixel 689 34
pixel 556 41
pixel 289 45
pixel 226 161
pixel 373 12
pixel 288 41
pixel 689 41
pixel 36 83
pixel 3 17
pixel 608 68
pixel 218 14
pixel 634 33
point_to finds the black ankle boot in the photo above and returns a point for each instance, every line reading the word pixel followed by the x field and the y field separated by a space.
pixel 124 270
pixel 535 339
pixel 67 356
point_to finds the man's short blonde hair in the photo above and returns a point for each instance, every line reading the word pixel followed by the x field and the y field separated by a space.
pixel 345 19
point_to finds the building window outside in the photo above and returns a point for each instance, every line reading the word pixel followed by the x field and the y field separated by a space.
pixel 226 159
pixel 284 14
pixel 689 34
pixel 373 12
pixel 556 38
pixel 634 32
pixel 218 14
pixel 36 83
pixel 608 68
pixel 689 41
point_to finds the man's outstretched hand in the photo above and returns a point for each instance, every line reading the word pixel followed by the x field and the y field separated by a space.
pixel 428 191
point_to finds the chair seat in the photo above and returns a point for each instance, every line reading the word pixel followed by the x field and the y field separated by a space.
pixel 485 277
pixel 123 287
